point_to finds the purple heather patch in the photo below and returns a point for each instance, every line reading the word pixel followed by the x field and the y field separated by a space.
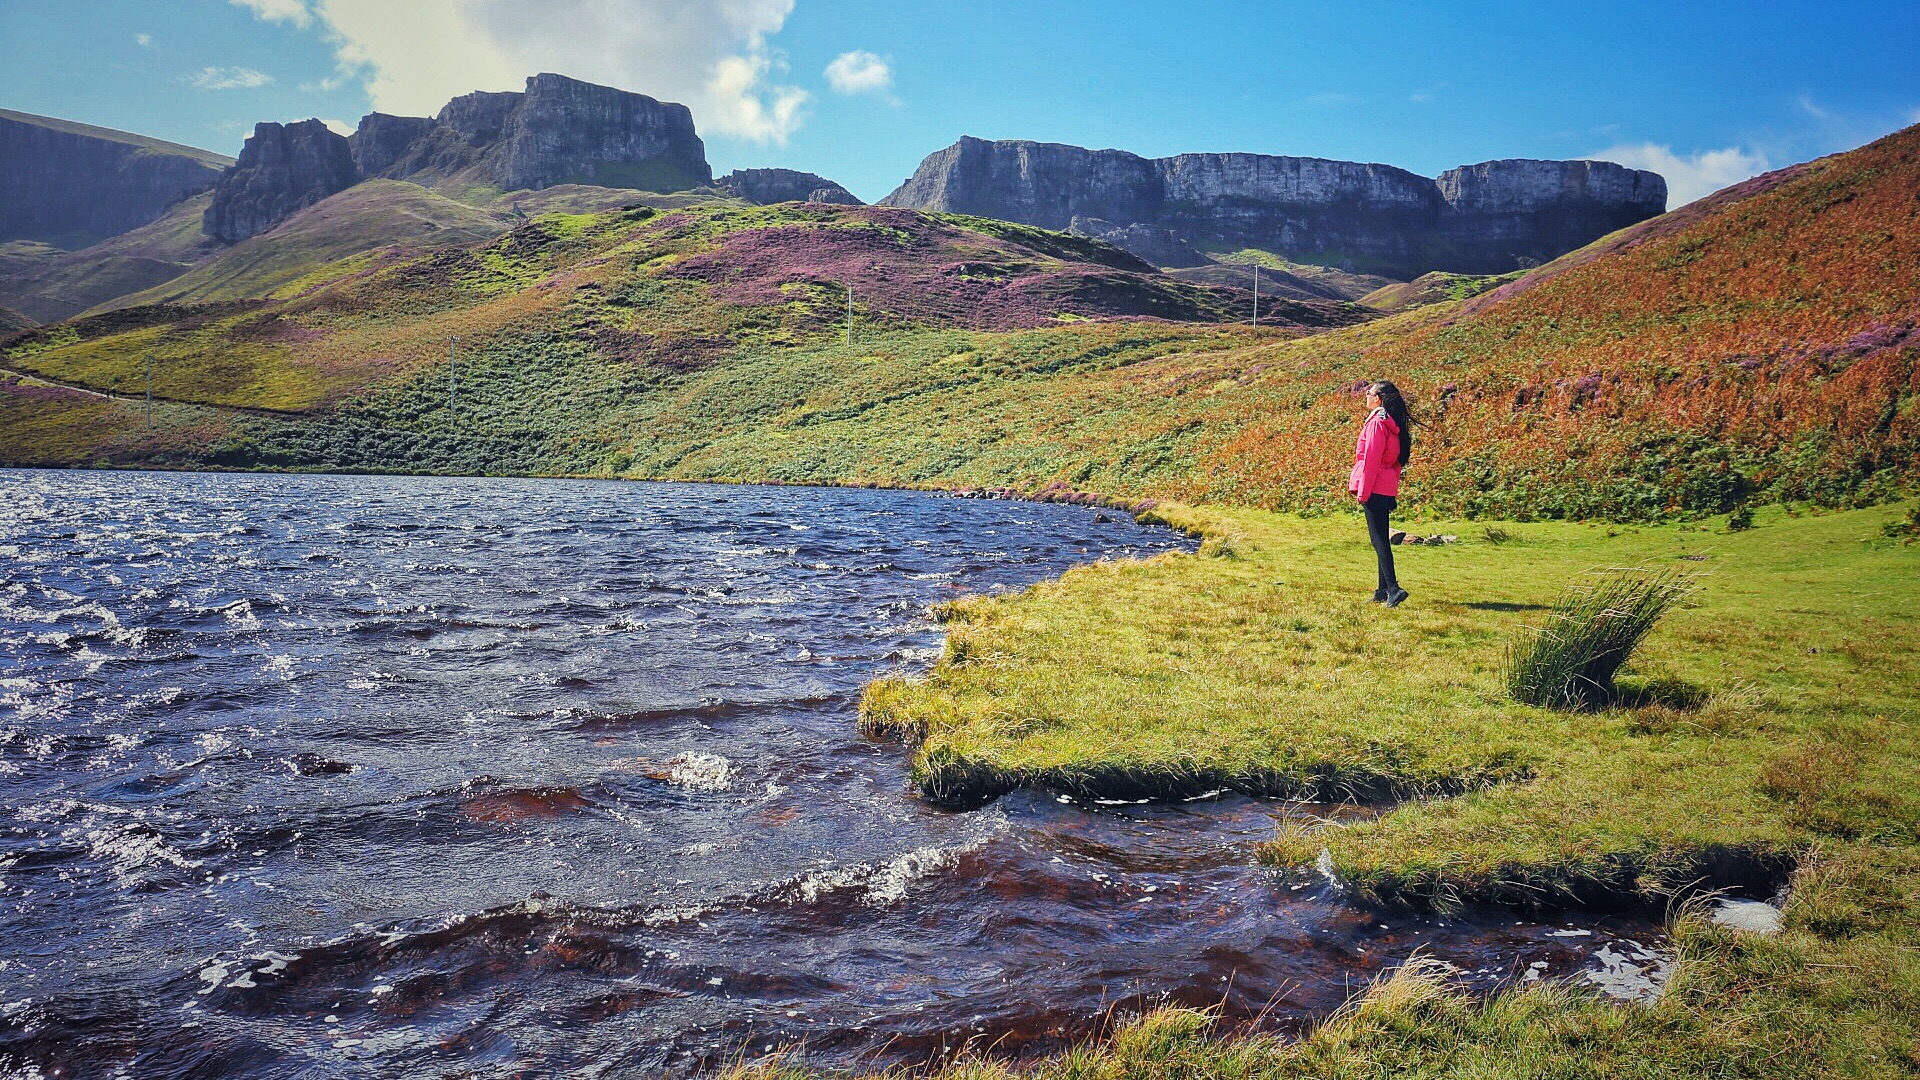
pixel 16 390
pixel 915 268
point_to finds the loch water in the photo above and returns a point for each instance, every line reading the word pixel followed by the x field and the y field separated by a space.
pixel 380 776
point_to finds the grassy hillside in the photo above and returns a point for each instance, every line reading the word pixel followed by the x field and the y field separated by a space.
pixel 1760 346
pixel 64 284
pixel 574 321
pixel 370 216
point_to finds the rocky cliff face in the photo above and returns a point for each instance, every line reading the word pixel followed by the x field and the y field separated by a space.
pixel 768 186
pixel 1541 209
pixel 559 131
pixel 1368 218
pixel 71 185
pixel 282 168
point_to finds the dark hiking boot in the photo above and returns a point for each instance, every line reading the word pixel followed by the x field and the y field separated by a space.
pixel 1396 598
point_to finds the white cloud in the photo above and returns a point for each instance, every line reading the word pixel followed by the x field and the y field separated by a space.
pixel 145 41
pixel 860 72
pixel 1813 108
pixel 229 78
pixel 737 106
pixel 415 55
pixel 338 127
pixel 1689 176
pixel 287 11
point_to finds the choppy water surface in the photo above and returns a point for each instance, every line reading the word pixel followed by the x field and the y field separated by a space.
pixel 349 776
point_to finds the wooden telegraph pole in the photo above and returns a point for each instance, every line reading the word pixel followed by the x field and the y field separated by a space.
pixel 1256 294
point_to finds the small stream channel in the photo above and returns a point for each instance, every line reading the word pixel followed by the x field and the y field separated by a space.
pixel 372 776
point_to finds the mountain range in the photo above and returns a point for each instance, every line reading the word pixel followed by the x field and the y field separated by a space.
pixel 1756 345
pixel 563 142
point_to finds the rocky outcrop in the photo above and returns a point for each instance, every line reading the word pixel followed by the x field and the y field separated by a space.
pixel 560 131
pixel 71 185
pixel 1540 209
pixel 1157 244
pixel 282 168
pixel 768 186
pixel 383 139
pixel 1365 218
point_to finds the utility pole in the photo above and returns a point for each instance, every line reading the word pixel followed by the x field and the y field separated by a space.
pixel 149 389
pixel 453 344
pixel 1256 294
pixel 849 314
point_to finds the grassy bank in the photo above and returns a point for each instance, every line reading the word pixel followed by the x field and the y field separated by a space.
pixel 1775 734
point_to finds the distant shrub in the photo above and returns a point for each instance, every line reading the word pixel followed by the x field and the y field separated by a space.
pixel 1740 520
pixel 1571 662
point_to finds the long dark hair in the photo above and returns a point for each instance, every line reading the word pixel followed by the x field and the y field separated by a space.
pixel 1396 407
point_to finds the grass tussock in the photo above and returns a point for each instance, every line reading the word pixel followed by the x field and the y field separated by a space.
pixel 1570 661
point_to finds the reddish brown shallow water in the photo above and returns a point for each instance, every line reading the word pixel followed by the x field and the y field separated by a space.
pixel 328 776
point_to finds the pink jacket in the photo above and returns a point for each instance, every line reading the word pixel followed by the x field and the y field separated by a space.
pixel 1376 459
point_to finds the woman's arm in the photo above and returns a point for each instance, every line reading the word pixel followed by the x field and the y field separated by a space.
pixel 1373 447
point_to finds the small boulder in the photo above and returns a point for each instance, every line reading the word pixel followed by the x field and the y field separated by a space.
pixel 1398 536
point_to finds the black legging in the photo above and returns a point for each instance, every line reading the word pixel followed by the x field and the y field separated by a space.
pixel 1378 507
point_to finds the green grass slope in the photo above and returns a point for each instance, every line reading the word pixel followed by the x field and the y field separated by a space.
pixel 65 284
pixel 374 215
pixel 572 322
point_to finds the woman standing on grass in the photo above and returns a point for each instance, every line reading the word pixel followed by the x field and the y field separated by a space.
pixel 1386 442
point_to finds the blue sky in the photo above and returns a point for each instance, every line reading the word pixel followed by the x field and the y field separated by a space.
pixel 860 91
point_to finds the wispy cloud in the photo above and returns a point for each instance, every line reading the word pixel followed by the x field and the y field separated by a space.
pixel 860 72
pixel 1813 108
pixel 1425 94
pixel 1689 176
pixel 229 78
pixel 1327 99
pixel 145 41
pixel 287 11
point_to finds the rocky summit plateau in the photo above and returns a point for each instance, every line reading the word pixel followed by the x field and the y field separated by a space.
pixel 559 131
pixel 1487 218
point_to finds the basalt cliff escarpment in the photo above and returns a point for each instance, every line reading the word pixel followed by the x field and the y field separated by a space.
pixel 283 168
pixel 70 185
pixel 1368 218
pixel 559 131
pixel 768 186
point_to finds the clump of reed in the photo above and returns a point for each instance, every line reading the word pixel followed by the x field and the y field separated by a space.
pixel 1570 663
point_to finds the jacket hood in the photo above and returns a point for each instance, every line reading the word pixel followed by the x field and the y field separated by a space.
pixel 1388 418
